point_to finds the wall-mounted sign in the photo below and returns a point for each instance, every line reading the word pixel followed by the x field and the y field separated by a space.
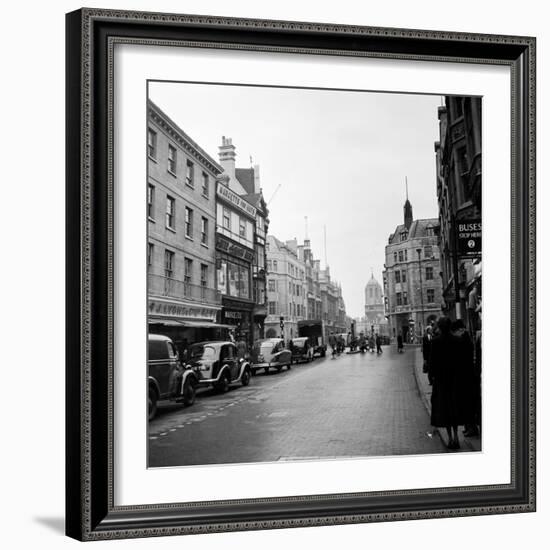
pixel 226 193
pixel 234 249
pixel 181 311
pixel 468 237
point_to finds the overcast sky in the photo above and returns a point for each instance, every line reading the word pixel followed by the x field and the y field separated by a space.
pixel 340 157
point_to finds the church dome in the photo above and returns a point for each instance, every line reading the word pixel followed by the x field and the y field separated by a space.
pixel 373 292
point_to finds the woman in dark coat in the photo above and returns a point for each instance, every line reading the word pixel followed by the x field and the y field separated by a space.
pixel 448 382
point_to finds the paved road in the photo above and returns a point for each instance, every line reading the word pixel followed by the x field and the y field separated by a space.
pixel 354 405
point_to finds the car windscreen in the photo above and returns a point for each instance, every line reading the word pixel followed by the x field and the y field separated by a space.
pixel 205 353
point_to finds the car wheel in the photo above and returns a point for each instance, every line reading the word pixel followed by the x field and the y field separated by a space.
pixel 223 385
pixel 279 368
pixel 152 398
pixel 189 392
pixel 289 365
pixel 266 370
pixel 245 378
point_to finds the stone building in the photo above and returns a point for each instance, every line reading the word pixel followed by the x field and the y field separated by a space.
pixel 412 285
pixel 313 267
pixel 375 316
pixel 245 182
pixel 183 301
pixel 458 181
pixel 286 288
pixel 333 308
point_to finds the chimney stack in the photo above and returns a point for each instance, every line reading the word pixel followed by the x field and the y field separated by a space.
pixel 227 157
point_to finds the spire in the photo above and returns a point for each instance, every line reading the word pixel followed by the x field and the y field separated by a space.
pixel 407 208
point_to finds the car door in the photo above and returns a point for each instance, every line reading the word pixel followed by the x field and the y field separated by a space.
pixel 232 361
pixel 159 366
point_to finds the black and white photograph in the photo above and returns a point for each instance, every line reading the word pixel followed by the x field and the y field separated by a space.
pixel 314 273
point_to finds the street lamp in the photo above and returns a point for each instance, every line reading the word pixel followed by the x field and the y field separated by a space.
pixel 419 252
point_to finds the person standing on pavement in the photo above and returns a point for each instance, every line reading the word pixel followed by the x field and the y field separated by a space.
pixel 378 341
pixel 399 343
pixel 426 351
pixel 447 386
pixel 468 377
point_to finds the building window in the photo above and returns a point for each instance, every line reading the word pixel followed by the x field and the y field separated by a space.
pixel 272 309
pixel 205 186
pixel 428 252
pixel 170 211
pixel 189 173
pixel 400 255
pixel 398 298
pixel 172 158
pixel 242 227
pixel 403 276
pixel 395 257
pixel 169 264
pixel 204 231
pixel 405 299
pixel 403 236
pixel 188 222
pixel 398 276
pixel 150 254
pixel 430 295
pixel 152 143
pixel 188 271
pixel 405 251
pixel 271 285
pixel 151 201
pixel 269 265
pixel 204 275
pixel 429 231
pixel 275 266
pixel 429 273
pixel 226 219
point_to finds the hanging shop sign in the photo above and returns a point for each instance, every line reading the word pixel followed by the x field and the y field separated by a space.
pixel 468 237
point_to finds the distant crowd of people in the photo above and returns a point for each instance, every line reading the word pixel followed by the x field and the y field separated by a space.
pixel 452 362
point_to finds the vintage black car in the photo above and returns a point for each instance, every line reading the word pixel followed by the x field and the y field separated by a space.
pixel 168 379
pixel 270 353
pixel 302 350
pixel 217 364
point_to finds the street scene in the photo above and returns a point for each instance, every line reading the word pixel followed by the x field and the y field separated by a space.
pixel 310 313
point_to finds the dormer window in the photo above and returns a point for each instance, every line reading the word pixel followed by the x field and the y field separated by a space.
pixel 430 231
pixel 404 235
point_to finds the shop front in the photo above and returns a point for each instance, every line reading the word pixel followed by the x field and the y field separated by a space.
pixel 185 323
pixel 239 316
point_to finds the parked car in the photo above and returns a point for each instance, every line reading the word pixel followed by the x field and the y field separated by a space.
pixel 217 364
pixel 168 379
pixel 301 349
pixel 270 353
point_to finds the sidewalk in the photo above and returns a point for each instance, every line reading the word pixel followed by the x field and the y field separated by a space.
pixel 425 390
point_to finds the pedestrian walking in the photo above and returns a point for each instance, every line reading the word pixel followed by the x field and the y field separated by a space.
pixel 333 344
pixel 378 341
pixel 448 397
pixel 426 351
pixel 399 343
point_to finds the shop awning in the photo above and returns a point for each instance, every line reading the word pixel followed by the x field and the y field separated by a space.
pixel 166 322
pixel 185 323
pixel 204 324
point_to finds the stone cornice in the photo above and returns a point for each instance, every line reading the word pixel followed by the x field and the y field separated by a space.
pixel 163 121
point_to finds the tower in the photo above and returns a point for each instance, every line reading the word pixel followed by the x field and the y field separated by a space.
pixel 407 208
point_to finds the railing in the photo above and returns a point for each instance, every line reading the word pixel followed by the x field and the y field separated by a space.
pixel 166 286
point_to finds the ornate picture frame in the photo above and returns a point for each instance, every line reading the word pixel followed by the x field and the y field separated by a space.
pixel 90 507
